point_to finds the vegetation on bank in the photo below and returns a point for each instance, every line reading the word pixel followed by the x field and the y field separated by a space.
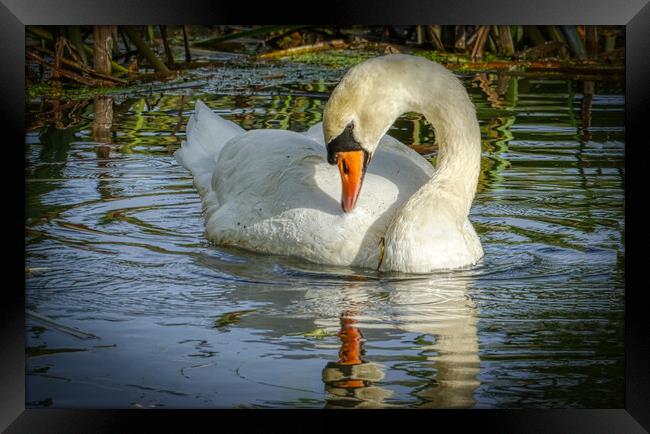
pixel 104 59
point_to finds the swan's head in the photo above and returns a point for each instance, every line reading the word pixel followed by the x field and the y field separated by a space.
pixel 359 112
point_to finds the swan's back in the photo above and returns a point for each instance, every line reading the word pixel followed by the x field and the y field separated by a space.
pixel 273 190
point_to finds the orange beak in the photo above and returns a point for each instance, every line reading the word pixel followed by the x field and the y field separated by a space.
pixel 352 167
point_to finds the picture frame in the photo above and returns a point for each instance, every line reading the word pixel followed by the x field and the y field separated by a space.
pixel 635 15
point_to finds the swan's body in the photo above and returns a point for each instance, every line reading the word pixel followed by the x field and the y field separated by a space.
pixel 273 191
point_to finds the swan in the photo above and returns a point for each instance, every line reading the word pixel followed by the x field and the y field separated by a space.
pixel 344 192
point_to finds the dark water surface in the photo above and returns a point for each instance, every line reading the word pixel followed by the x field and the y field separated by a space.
pixel 115 248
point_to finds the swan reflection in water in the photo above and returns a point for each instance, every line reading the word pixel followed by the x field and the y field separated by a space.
pixel 438 307
pixel 433 316
pixel 350 380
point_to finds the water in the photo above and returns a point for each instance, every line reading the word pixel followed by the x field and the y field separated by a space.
pixel 115 248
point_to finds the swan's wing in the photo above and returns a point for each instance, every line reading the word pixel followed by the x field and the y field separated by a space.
pixel 394 147
pixel 273 191
pixel 207 132
pixel 315 132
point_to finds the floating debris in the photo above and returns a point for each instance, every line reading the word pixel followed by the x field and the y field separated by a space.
pixel 230 318
pixel 318 333
pixel 60 327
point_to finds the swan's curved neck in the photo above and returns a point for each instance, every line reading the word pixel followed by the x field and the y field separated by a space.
pixel 430 229
pixel 443 100
pixel 375 93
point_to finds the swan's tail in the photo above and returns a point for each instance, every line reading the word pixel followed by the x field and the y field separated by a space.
pixel 207 132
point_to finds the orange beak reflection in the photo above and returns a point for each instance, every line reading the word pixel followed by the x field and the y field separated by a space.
pixel 352 167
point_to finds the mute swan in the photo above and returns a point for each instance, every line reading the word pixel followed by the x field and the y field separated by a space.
pixel 273 191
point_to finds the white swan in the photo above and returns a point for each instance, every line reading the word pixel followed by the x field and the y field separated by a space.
pixel 273 191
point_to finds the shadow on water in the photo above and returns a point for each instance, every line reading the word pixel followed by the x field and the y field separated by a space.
pixel 53 159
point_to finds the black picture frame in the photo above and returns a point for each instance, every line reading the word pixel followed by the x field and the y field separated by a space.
pixel 16 14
